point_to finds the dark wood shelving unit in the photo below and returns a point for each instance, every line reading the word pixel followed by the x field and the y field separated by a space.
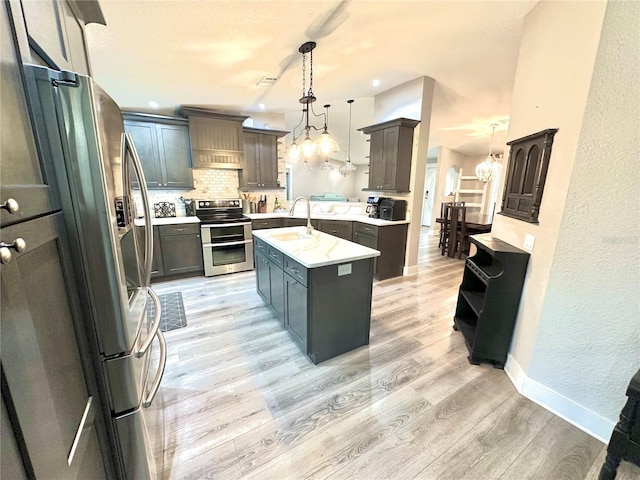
pixel 489 297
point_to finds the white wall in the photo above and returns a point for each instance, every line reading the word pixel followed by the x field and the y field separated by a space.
pixel 588 340
pixel 575 345
pixel 318 182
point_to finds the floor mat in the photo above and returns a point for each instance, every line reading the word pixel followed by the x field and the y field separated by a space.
pixel 173 315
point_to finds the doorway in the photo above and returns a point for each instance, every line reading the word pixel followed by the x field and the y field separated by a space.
pixel 429 193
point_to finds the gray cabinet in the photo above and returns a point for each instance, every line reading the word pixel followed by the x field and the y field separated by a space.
pixel 390 240
pixel 46 386
pixel 260 167
pixel 326 313
pixel 163 146
pixel 337 228
pixel 390 150
pixel 55 32
pixel 181 248
pixel 216 138
pixel 297 313
pixel 259 224
pixel 47 391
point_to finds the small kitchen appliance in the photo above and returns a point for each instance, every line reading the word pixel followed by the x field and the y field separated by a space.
pixel 392 209
pixel 373 206
pixel 227 245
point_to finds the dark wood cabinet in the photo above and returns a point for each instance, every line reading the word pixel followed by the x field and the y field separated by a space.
pixel 526 175
pixel 390 240
pixel 390 150
pixel 181 248
pixel 260 166
pixel 55 32
pixel 263 276
pixel 163 146
pixel 216 138
pixel 489 297
pixel 337 228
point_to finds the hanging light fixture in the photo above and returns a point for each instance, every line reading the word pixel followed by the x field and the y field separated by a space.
pixel 326 165
pixel 324 144
pixel 348 167
pixel 489 168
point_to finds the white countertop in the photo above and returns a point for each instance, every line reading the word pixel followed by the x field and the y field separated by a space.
pixel 330 216
pixel 317 250
pixel 167 221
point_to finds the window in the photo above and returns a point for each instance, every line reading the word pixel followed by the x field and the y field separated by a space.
pixel 526 174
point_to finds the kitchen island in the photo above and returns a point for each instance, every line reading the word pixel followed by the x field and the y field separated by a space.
pixel 319 287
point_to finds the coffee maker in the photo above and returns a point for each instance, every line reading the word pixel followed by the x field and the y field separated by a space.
pixel 392 209
pixel 373 206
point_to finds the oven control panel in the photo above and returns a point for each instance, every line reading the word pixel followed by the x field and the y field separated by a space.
pixel 219 203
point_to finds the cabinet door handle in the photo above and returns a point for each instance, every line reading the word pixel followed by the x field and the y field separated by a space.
pixel 10 206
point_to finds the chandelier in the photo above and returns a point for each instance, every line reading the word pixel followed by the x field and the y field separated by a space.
pixel 324 144
pixel 489 168
pixel 348 167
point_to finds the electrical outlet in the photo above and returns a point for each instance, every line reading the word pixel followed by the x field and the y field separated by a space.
pixel 529 241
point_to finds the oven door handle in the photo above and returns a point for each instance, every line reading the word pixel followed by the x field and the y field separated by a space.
pixel 227 244
pixel 221 225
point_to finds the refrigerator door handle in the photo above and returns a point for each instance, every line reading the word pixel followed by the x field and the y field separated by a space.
pixel 160 373
pixel 155 326
pixel 127 142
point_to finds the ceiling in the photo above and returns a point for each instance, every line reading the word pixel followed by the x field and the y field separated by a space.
pixel 212 53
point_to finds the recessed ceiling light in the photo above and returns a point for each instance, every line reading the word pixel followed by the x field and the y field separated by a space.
pixel 154 104
pixel 375 83
pixel 262 106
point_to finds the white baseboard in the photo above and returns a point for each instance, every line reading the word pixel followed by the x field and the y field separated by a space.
pixel 410 271
pixel 574 413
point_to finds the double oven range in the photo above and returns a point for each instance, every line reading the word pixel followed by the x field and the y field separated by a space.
pixel 227 246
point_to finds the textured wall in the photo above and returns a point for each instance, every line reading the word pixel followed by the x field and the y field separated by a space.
pixel 588 342
pixel 557 54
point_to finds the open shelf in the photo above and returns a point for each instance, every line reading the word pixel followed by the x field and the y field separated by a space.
pixel 488 299
pixel 467 327
pixel 475 299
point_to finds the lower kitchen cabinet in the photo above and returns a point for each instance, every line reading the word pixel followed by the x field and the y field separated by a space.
pixel 326 313
pixel 181 248
pixel 258 224
pixel 390 240
pixel 337 228
pixel 296 317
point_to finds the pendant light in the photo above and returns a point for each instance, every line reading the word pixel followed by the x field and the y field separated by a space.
pixel 324 144
pixel 348 167
pixel 489 168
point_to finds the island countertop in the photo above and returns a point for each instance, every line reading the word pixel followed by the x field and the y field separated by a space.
pixel 316 250
pixel 329 216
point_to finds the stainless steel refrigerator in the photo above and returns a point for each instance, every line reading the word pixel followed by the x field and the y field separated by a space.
pixel 100 175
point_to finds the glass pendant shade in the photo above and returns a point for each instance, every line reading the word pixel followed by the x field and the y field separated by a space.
pixel 294 152
pixel 307 147
pixel 325 144
pixel 326 165
pixel 306 167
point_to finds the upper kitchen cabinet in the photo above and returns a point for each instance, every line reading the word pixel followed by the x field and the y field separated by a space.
pixel 55 33
pixel 216 138
pixel 164 149
pixel 260 169
pixel 390 148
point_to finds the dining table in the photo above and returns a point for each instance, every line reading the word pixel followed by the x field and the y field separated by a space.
pixel 476 222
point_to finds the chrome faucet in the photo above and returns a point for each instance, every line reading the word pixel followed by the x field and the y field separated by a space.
pixel 309 227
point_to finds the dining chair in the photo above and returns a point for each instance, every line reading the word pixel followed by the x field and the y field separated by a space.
pixel 444 225
pixel 458 233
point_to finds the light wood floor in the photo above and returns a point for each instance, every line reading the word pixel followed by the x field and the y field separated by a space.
pixel 241 401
